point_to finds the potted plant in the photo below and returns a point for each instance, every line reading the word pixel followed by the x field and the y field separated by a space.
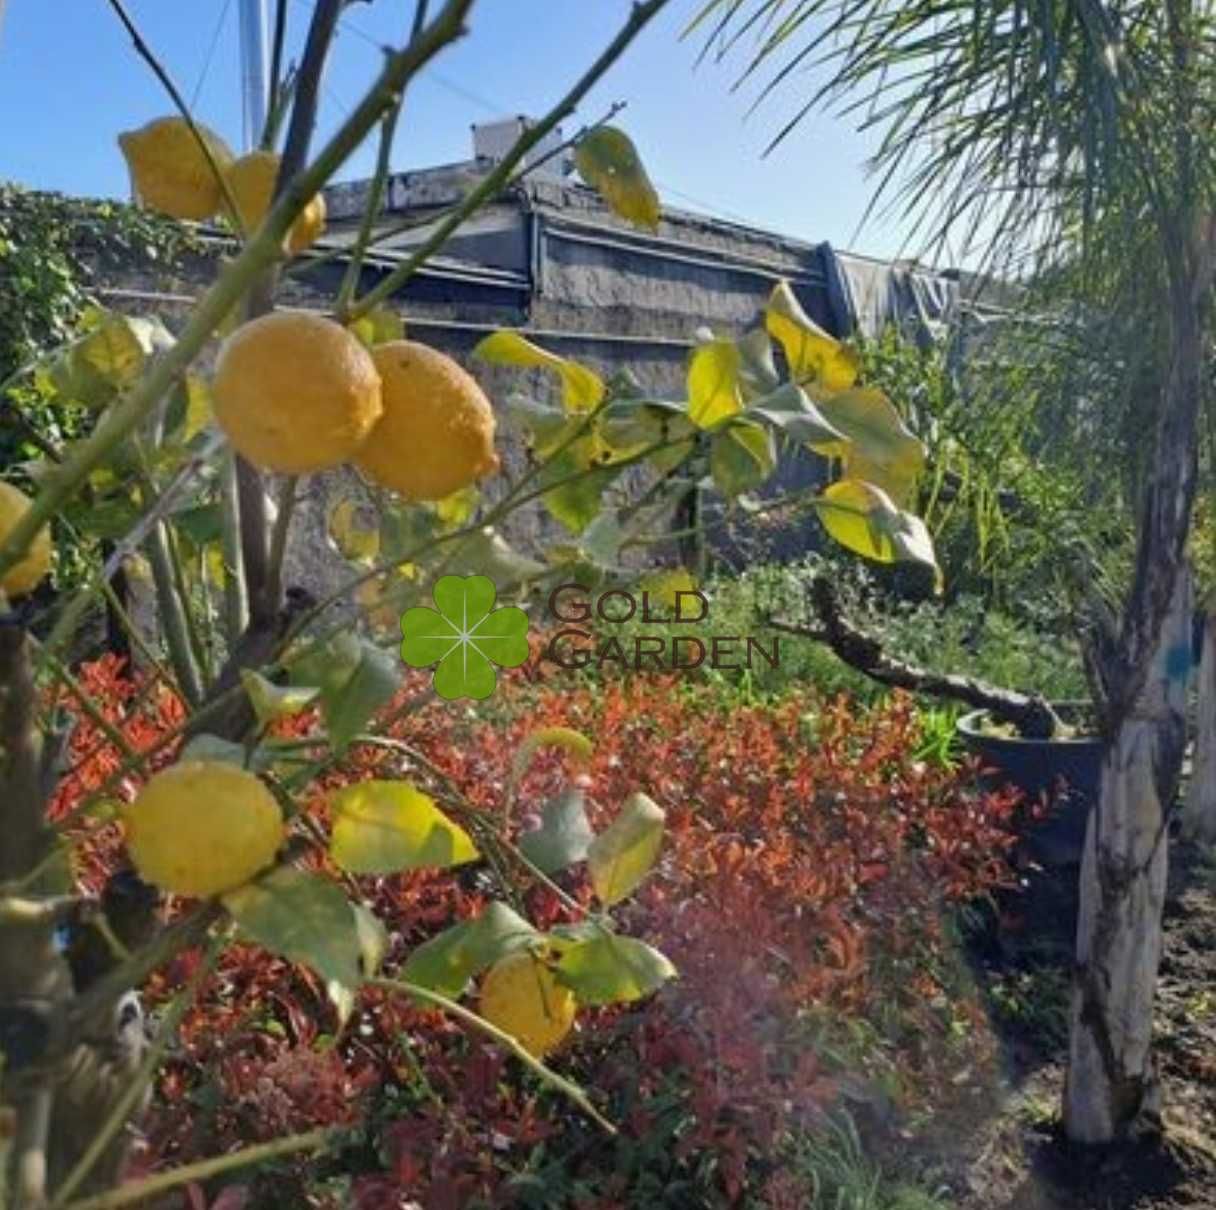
pixel 1050 751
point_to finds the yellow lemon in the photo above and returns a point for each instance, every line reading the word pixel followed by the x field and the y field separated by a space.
pixel 170 170
pixel 252 179
pixel 295 392
pixel 521 996
pixel 25 576
pixel 203 827
pixel 437 432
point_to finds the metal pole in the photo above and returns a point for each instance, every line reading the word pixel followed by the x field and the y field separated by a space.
pixel 254 86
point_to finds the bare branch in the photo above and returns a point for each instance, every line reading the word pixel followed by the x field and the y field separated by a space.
pixel 1031 714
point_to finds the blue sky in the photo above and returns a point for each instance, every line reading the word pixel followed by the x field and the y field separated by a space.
pixel 68 67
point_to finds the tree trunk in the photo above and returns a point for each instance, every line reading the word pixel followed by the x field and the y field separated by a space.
pixel 1112 1090
pixel 1199 821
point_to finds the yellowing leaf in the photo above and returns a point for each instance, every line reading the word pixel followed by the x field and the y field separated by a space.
pixel 108 357
pixel 198 407
pixel 458 508
pixel 270 701
pixel 381 827
pixel 582 389
pixel 608 161
pixel 713 383
pixel 566 738
pixel 355 539
pixel 817 360
pixel 377 326
pixel 864 519
pixel 665 586
pixel 622 855
pixel 880 449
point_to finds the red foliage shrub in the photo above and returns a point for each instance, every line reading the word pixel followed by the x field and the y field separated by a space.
pixel 806 865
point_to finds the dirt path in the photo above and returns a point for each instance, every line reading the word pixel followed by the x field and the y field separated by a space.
pixel 998 1145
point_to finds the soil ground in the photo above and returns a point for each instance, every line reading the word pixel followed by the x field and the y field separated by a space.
pixel 999 1146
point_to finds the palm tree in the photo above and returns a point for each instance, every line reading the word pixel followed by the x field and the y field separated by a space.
pixel 1046 137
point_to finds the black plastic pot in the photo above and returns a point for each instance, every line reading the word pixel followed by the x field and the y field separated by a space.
pixel 1064 773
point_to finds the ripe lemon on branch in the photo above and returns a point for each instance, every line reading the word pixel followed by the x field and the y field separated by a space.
pixel 170 171
pixel 252 179
pixel 437 431
pixel 521 996
pixel 25 576
pixel 295 392
pixel 202 827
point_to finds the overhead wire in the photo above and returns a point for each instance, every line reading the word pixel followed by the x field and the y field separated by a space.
pixel 491 106
pixel 210 55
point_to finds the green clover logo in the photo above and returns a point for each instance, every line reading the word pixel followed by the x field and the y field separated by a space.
pixel 466 636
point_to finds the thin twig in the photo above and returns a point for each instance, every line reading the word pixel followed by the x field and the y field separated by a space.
pixel 260 252
pixel 202 1170
pixel 492 184
pixel 146 53
pixel 375 194
pixel 567 1088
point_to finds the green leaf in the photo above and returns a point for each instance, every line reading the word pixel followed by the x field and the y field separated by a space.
pixel 355 678
pixel 620 857
pixel 790 409
pixel 630 425
pixel 546 426
pixel 382 827
pixel 582 388
pixel 576 503
pixel 864 519
pixel 609 969
pixel 608 161
pixel 447 962
pixel 714 392
pixel 466 636
pixel 373 684
pixel 303 917
pixel 213 747
pixel 741 457
pixel 271 702
pixel 201 524
pixel 488 553
pixel 564 835
pixel 817 360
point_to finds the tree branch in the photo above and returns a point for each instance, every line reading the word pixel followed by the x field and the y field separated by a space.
pixel 1031 714
pixel 492 184
pixel 146 53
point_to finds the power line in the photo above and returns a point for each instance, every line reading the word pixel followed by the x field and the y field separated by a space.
pixel 215 39
pixel 491 106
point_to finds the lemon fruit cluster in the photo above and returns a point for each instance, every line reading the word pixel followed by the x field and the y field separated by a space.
pixel 251 181
pixel 295 392
pixel 23 577
pixel 200 828
pixel 522 997
pixel 170 171
pixel 437 432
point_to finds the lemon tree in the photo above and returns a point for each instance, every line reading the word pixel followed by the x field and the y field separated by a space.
pixel 191 472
